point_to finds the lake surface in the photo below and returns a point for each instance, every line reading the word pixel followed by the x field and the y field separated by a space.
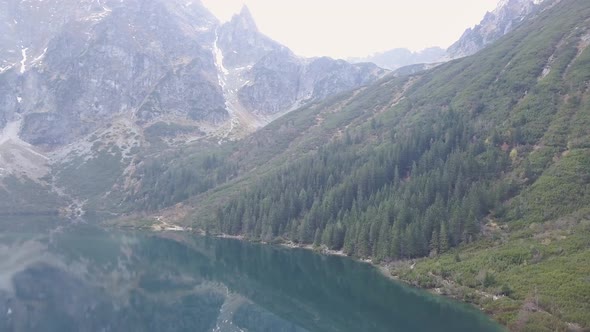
pixel 80 278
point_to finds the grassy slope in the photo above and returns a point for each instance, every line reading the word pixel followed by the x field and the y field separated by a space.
pixel 533 277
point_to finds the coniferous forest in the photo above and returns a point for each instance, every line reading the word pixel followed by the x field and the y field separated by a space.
pixel 404 198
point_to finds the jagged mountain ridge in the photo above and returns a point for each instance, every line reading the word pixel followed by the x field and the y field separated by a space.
pixel 142 59
pixel 267 79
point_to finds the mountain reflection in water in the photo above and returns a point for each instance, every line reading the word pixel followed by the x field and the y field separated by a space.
pixel 86 279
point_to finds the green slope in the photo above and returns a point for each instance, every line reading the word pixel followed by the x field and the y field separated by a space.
pixel 481 163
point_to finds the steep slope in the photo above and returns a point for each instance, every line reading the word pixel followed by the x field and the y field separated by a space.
pixel 266 79
pixel 484 154
pixel 97 85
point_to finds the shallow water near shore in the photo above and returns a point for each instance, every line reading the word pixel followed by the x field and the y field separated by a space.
pixel 83 278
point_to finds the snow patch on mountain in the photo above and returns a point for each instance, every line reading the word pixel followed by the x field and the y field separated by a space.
pixel 23 66
pixel 222 72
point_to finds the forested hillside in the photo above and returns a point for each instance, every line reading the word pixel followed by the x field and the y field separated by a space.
pixel 487 153
pixel 472 140
pixel 402 197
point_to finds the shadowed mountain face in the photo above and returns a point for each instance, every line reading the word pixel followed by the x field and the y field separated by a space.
pixel 100 61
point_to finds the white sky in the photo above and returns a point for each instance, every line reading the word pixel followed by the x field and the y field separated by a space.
pixel 347 28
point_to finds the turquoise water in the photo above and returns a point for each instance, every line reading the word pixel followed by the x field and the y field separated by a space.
pixel 86 279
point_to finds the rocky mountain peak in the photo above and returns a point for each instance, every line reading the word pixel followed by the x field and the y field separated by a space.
pixel 68 68
pixel 241 42
pixel 244 20
pixel 507 15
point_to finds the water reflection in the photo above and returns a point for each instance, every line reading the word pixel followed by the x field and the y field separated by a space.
pixel 85 279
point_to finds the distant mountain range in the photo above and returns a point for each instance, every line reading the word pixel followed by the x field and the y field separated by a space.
pixel 495 24
pixel 401 57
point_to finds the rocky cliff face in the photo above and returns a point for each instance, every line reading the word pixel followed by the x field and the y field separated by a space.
pixel 263 79
pixel 494 25
pixel 137 59
pixel 281 81
pixel 69 67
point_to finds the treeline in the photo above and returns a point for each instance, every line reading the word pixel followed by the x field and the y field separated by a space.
pixel 402 196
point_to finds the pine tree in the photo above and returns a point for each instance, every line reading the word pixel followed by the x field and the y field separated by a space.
pixel 384 242
pixel 443 241
pixel 434 243
pixel 317 239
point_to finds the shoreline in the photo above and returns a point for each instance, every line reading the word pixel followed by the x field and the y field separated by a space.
pixel 384 269
pixel 444 288
pixel 512 313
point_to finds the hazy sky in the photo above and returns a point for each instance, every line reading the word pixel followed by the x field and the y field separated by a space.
pixel 346 28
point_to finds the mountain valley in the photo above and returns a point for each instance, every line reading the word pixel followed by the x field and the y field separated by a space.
pixel 468 176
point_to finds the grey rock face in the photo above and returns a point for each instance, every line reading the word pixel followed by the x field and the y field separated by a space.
pixel 494 25
pixel 273 79
pixel 50 129
pixel 274 83
pixel 241 42
pixel 138 59
pixel 9 87
pixel 185 93
pixel 281 81
pixel 328 77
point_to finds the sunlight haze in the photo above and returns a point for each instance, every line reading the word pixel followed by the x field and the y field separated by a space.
pixel 358 28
